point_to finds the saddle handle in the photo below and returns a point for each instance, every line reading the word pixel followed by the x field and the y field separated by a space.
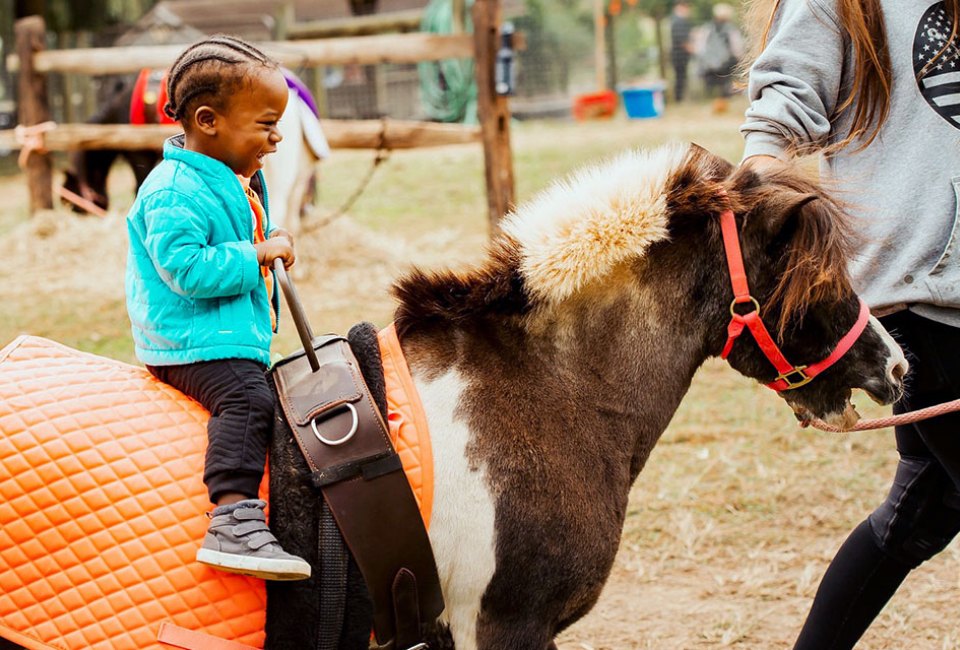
pixel 296 311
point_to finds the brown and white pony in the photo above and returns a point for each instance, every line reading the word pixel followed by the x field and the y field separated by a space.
pixel 549 371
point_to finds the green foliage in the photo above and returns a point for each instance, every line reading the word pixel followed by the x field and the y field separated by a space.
pixel 636 46
pixel 556 36
pixel 655 8
pixel 701 9
pixel 560 40
pixel 70 15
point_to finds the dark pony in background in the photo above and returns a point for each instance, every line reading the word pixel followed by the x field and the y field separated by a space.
pixel 290 173
pixel 87 169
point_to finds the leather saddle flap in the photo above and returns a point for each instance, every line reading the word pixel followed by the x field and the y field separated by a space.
pixel 362 480
pixel 307 396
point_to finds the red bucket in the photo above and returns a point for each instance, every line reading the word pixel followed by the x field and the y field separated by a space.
pixel 598 105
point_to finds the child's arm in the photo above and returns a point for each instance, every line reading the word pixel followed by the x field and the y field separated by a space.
pixel 176 239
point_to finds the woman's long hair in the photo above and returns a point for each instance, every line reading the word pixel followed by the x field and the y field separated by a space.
pixel 869 96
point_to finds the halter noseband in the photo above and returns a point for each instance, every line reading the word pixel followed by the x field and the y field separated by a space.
pixel 790 376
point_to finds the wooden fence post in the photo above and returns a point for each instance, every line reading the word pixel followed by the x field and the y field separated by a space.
pixel 493 113
pixel 32 108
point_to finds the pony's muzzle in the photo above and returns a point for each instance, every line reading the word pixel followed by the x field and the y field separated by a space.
pixel 889 389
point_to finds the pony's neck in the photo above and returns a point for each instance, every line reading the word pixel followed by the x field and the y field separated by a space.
pixel 604 375
pixel 632 364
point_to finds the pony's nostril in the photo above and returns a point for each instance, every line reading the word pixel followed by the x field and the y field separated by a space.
pixel 899 371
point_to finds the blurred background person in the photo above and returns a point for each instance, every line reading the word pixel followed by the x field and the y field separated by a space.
pixel 681 46
pixel 720 51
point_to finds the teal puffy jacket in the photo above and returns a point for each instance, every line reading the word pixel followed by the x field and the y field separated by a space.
pixel 195 291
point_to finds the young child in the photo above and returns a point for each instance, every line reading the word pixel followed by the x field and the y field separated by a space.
pixel 198 283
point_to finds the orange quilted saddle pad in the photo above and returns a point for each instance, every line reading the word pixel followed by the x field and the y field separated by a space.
pixel 101 511
pixel 102 502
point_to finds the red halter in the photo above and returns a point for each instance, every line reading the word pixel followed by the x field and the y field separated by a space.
pixel 790 376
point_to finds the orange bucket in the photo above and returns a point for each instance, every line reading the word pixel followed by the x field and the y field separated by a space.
pixel 598 105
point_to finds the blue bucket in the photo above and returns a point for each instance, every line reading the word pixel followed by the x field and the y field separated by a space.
pixel 643 101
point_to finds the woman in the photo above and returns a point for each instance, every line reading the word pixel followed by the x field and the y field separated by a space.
pixel 873 86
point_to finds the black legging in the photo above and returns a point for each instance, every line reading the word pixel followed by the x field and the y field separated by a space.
pixel 922 513
pixel 240 401
pixel 680 64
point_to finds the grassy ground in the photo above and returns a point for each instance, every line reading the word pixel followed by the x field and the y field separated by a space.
pixel 737 513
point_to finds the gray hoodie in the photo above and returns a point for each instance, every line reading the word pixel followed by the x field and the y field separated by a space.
pixel 904 187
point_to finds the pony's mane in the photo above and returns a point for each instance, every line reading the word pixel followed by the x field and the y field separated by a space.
pixel 821 242
pixel 570 235
pixel 582 228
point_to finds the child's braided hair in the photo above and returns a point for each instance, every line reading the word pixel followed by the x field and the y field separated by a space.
pixel 208 71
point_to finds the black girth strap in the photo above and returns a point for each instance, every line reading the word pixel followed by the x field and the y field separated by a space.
pixel 345 442
pixel 333 580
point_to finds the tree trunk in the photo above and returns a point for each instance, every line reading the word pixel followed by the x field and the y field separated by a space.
pixel 661 46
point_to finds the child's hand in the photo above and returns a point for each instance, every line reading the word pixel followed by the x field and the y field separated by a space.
pixel 280 232
pixel 275 248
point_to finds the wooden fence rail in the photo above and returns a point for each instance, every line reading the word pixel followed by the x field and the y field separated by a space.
pixel 363 50
pixel 340 134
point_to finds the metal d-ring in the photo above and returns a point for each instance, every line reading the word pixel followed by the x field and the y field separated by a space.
pixel 353 428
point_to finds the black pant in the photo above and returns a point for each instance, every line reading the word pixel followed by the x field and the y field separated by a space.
pixel 680 63
pixel 718 83
pixel 922 512
pixel 240 401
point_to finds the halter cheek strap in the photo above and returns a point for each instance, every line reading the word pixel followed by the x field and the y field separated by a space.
pixel 790 376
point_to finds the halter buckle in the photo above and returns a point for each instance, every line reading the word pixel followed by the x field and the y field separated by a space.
pixel 785 377
pixel 738 301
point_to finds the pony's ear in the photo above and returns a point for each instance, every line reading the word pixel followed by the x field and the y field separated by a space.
pixel 712 166
pixel 782 208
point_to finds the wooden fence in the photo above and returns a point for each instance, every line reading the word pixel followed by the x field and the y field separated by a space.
pixel 38 137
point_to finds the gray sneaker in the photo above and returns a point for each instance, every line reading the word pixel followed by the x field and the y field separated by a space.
pixel 239 541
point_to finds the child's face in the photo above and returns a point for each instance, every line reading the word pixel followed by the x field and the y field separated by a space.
pixel 247 129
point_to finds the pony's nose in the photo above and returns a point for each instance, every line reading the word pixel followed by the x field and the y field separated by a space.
pixel 899 371
pixel 896 371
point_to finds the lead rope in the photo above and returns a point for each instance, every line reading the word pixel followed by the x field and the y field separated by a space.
pixel 382 154
pixel 894 420
pixel 30 139
pixel 80 202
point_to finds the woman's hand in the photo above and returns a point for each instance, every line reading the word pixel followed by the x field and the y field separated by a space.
pixel 761 163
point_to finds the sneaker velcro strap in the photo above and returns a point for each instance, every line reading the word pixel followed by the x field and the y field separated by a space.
pixel 258 540
pixel 249 514
pixel 247 527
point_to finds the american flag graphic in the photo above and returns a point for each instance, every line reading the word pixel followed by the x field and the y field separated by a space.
pixel 940 80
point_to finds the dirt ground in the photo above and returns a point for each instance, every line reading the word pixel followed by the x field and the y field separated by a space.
pixel 732 522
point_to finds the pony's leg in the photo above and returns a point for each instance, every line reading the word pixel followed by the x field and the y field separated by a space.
pixel 517 642
pixel 299 198
pixel 142 163
pixel 517 634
